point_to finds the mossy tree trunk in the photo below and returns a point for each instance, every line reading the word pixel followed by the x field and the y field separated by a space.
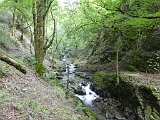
pixel 41 43
pixel 38 11
pixel 12 62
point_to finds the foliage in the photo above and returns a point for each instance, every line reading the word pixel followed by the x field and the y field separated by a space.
pixel 91 114
pixel 50 77
pixel 100 79
pixel 101 24
pixel 80 107
pixel 154 63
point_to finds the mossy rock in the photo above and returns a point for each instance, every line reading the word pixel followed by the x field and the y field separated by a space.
pixel 91 114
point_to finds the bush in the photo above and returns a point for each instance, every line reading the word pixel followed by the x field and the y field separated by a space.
pixel 99 79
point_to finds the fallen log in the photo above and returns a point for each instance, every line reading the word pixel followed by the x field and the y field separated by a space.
pixel 12 62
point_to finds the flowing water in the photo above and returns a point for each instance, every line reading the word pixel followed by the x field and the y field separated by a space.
pixel 90 95
pixel 108 108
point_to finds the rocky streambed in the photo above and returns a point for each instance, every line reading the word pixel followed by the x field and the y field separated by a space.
pixel 81 84
pixel 125 101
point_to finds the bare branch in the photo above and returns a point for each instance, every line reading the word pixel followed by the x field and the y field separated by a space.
pixel 48 7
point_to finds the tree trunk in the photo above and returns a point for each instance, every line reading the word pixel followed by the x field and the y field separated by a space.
pixel 12 62
pixel 22 28
pixel 39 36
pixel 13 22
pixel 39 11
pixel 117 61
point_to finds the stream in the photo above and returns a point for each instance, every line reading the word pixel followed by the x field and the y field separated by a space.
pixel 81 84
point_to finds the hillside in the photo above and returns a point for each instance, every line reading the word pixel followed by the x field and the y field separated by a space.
pixel 27 96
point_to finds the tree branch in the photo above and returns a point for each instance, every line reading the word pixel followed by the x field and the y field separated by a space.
pixel 47 9
pixel 12 62
pixel 53 34
pixel 137 16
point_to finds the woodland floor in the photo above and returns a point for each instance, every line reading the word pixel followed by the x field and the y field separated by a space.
pixel 28 97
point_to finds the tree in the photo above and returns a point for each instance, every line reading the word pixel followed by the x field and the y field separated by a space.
pixel 41 42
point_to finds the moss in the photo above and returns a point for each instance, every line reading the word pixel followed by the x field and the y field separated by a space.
pixel 2 74
pixel 91 114
pixel 150 98
pixel 80 107
pixel 40 69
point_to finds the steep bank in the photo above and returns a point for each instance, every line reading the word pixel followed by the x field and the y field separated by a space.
pixel 27 96
pixel 139 94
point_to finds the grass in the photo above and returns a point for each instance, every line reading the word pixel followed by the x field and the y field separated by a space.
pixel 33 107
pixel 5 97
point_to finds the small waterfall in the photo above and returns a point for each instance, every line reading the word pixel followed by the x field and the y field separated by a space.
pixel 89 97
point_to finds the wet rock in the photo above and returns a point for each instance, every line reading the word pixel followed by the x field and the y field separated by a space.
pixel 63 70
pixel 71 82
pixel 76 66
pixel 105 100
pixel 128 111
pixel 87 77
pixel 109 115
pixel 59 77
pixel 93 87
pixel 79 91
pixel 117 116
pixel 83 84
pixel 99 99
pixel 79 74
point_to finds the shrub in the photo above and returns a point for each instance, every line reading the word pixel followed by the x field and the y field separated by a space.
pixel 99 79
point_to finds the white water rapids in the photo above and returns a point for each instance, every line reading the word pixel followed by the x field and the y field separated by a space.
pixel 90 95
